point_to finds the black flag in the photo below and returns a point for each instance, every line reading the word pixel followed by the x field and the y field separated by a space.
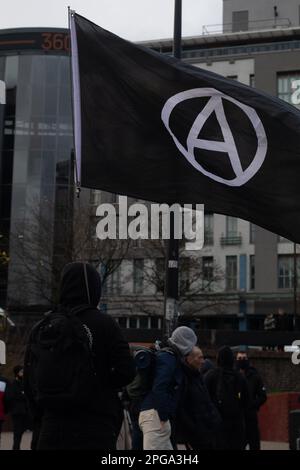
pixel 155 128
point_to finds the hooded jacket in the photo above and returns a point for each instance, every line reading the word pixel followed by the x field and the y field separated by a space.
pixel 81 286
pixel 234 380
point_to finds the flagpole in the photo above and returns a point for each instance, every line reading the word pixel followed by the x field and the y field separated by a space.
pixel 172 255
pixel 76 111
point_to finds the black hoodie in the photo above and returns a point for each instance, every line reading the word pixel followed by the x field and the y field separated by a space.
pixel 81 285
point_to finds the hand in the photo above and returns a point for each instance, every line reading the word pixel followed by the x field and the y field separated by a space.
pixel 162 425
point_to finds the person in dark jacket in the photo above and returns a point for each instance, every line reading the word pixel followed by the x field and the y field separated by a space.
pixel 159 407
pixel 197 418
pixel 4 384
pixel 282 324
pixel 228 391
pixel 206 367
pixel 95 424
pixel 257 397
pixel 18 407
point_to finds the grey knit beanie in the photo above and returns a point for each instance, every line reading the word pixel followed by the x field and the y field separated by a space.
pixel 184 339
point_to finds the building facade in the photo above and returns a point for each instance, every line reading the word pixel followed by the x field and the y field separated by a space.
pixel 35 146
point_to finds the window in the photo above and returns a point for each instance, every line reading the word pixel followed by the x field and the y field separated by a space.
pixel 240 20
pixel 138 276
pixel 132 322
pixel 95 197
pixel 208 229
pixel 231 272
pixel 113 198
pixel 207 268
pixel 252 272
pixel 288 88
pixel 232 77
pixel 251 233
pixel 144 322
pixel 252 80
pixel 286 271
pixel 154 322
pixel 112 284
pixel 231 226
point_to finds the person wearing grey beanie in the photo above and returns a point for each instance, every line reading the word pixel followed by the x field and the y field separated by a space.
pixel 159 407
pixel 184 339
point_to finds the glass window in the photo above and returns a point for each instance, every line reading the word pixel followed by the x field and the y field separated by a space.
pixel 288 88
pixel 251 233
pixel 144 323
pixel 207 268
pixel 154 322
pixel 286 271
pixel 113 281
pixel 132 322
pixel 95 197
pixel 138 276
pixel 231 272
pixel 208 229
pixel 231 226
pixel 252 272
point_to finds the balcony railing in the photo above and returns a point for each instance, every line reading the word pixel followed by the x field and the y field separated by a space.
pixel 229 240
pixel 255 25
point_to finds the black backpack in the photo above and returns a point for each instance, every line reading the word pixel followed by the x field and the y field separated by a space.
pixel 228 393
pixel 59 366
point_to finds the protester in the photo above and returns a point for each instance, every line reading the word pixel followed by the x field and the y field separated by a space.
pixel 270 325
pixel 228 391
pixel 206 366
pixel 94 423
pixel 159 407
pixel 282 324
pixel 18 407
pixel 3 400
pixel 257 397
pixel 197 418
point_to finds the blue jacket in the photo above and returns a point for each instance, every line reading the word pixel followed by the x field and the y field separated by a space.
pixel 166 388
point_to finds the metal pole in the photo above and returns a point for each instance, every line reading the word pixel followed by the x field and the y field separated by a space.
pixel 172 255
pixel 295 286
pixel 177 29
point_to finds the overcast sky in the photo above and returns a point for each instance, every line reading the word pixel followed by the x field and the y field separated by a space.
pixel 131 19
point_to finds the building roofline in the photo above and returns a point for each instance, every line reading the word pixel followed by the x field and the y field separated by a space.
pixel 210 39
pixel 33 30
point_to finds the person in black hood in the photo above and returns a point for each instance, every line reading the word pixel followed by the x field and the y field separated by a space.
pixel 18 407
pixel 257 395
pixel 228 391
pixel 97 423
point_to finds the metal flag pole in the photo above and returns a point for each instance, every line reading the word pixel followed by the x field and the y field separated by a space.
pixel 76 108
pixel 172 255
pixel 295 287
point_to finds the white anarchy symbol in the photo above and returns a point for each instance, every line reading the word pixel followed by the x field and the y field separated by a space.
pixel 215 104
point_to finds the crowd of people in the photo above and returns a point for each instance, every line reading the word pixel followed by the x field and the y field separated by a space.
pixel 176 398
